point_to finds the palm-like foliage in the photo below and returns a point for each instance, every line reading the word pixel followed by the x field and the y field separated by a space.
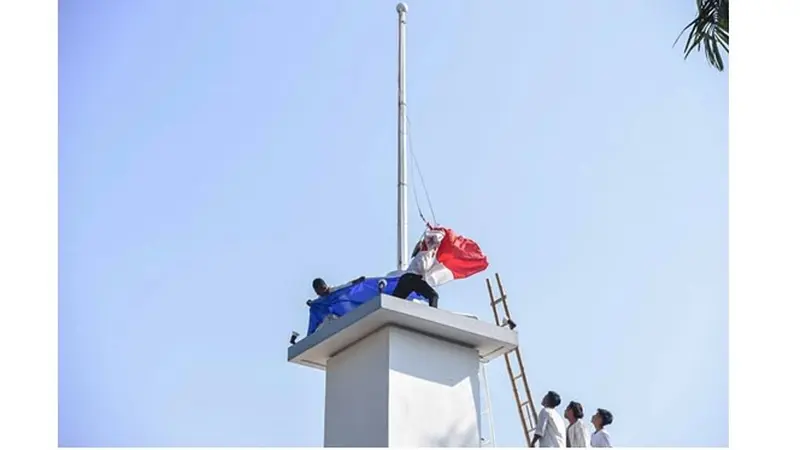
pixel 708 31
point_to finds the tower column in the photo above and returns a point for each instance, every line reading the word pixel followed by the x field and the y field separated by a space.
pixel 402 374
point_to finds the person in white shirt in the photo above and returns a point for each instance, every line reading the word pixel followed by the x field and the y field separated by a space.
pixel 577 435
pixel 601 419
pixel 550 430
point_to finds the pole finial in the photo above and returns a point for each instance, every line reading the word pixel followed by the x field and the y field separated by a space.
pixel 402 8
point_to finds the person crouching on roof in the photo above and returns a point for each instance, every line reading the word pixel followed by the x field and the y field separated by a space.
pixel 577 436
pixel 550 429
pixel 322 289
pixel 412 281
pixel 601 420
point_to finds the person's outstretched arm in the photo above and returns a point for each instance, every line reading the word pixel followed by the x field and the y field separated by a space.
pixel 349 283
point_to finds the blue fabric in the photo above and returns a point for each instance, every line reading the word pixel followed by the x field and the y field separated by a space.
pixel 346 299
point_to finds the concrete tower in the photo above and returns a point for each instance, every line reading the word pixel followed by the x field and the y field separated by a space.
pixel 402 374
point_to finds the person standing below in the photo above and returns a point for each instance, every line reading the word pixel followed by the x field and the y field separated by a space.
pixel 577 436
pixel 550 429
pixel 601 419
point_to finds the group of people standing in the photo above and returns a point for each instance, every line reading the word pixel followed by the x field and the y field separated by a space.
pixel 551 431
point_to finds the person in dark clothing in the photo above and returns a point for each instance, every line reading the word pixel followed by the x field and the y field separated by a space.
pixel 322 289
pixel 411 282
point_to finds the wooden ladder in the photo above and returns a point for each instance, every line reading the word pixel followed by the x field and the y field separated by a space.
pixel 522 395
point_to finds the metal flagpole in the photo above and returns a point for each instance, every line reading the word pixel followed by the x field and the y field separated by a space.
pixel 402 140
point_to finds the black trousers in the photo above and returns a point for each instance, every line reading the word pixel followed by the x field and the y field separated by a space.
pixel 411 282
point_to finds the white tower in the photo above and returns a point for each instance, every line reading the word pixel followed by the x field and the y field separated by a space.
pixel 402 374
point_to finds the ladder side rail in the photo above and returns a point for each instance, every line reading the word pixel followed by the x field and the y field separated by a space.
pixel 531 410
pixel 527 408
pixel 503 297
pixel 491 299
pixel 527 387
pixel 517 398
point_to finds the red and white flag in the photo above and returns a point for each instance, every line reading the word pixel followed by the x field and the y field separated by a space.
pixel 445 256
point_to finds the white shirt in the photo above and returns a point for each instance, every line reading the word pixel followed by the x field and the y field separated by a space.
pixel 600 438
pixel 423 261
pixel 577 435
pixel 551 428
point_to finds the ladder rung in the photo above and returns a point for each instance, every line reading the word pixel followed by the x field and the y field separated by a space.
pixel 519 376
pixel 526 402
pixel 499 299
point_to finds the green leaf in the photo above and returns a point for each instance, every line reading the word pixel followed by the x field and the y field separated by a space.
pixel 708 31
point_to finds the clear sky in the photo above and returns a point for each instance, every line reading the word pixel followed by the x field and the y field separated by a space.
pixel 216 156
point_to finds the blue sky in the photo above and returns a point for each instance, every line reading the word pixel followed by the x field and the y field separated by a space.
pixel 217 156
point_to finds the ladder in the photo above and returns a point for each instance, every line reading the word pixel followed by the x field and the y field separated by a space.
pixel 516 372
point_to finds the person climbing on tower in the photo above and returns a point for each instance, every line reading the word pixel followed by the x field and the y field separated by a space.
pixel 422 260
pixel 322 289
pixel 411 282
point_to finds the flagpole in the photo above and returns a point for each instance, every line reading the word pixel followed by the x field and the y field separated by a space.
pixel 402 139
